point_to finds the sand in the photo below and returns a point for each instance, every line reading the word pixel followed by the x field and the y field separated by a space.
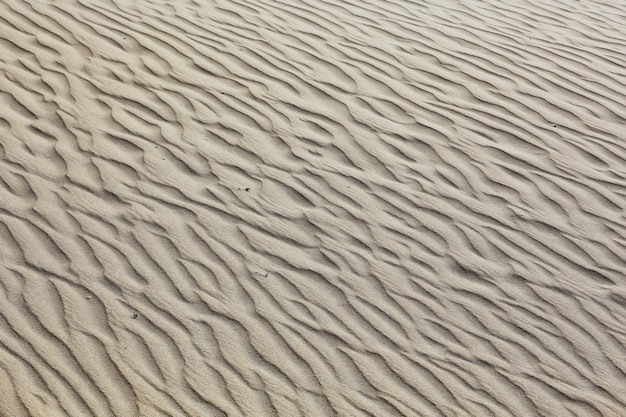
pixel 312 208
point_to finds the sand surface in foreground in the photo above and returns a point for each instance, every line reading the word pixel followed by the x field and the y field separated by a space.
pixel 312 208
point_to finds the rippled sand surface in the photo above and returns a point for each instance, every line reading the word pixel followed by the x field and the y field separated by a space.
pixel 312 208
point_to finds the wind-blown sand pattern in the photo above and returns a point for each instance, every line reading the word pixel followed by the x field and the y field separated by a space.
pixel 312 208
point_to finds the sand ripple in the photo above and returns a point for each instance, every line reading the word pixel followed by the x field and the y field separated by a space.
pixel 312 208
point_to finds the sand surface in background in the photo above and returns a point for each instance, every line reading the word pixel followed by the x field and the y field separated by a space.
pixel 312 208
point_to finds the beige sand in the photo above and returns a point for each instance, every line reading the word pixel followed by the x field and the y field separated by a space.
pixel 312 208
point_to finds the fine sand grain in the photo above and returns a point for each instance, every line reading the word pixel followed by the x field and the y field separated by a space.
pixel 312 208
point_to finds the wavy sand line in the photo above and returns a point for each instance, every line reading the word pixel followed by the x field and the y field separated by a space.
pixel 312 209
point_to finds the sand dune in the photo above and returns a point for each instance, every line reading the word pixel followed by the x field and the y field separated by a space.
pixel 312 208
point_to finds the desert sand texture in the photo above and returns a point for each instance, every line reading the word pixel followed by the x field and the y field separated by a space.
pixel 312 208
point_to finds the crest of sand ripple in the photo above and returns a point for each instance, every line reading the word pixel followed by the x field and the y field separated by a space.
pixel 312 208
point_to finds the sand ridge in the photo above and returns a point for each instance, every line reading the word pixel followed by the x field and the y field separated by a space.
pixel 312 208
